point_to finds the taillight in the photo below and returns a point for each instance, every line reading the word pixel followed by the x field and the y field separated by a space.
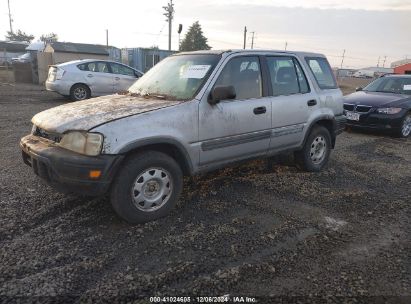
pixel 60 73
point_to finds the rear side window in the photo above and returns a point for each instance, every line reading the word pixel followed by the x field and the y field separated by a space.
pixel 322 72
pixel 83 67
pixel 286 75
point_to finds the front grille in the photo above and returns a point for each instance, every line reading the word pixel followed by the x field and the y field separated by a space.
pixel 348 107
pixel 56 137
pixel 363 109
pixel 359 108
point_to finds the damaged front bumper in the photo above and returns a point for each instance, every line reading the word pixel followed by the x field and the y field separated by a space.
pixel 69 171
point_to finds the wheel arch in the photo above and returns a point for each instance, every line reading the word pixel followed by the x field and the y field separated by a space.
pixel 325 121
pixel 168 146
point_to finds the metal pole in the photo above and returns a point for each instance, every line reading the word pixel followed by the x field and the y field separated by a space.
pixel 383 64
pixel 169 14
pixel 10 20
pixel 252 40
pixel 245 36
pixel 107 38
pixel 286 44
pixel 378 64
pixel 342 61
pixel 169 31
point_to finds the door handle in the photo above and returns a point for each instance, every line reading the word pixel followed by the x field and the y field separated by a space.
pixel 311 102
pixel 117 78
pixel 259 110
pixel 89 75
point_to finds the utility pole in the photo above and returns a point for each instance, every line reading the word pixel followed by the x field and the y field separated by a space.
pixel 378 64
pixel 245 36
pixel 10 20
pixel 286 44
pixel 383 64
pixel 169 14
pixel 343 56
pixel 107 38
pixel 252 40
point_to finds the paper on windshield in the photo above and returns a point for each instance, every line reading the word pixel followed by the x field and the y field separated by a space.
pixel 407 87
pixel 196 71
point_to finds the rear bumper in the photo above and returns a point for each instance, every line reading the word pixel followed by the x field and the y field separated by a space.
pixel 378 121
pixel 68 171
pixel 58 86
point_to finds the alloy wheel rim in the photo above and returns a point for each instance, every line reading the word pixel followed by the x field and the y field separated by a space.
pixel 318 150
pixel 80 93
pixel 151 189
pixel 406 126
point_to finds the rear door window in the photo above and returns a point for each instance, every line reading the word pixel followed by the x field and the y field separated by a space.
pixel 322 72
pixel 286 76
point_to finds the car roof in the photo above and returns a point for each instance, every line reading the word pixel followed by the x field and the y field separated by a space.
pixel 250 51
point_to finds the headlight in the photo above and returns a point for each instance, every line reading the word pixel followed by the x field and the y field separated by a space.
pixel 389 110
pixel 82 142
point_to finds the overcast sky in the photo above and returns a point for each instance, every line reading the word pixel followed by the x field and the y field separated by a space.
pixel 366 29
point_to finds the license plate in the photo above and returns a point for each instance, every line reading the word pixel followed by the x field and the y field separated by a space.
pixel 352 116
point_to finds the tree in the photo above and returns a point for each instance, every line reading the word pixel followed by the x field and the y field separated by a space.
pixel 19 36
pixel 194 39
pixel 52 37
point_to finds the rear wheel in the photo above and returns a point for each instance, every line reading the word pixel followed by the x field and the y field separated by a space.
pixel 79 92
pixel 316 151
pixel 405 129
pixel 147 187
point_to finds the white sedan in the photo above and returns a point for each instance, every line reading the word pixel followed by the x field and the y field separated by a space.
pixel 82 79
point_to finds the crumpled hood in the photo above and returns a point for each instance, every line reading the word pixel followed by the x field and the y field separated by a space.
pixel 86 114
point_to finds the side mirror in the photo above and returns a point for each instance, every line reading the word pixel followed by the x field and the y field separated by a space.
pixel 219 93
pixel 358 89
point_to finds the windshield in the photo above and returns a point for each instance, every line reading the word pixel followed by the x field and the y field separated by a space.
pixel 177 77
pixel 398 85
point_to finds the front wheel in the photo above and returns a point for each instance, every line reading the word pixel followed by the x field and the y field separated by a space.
pixel 316 151
pixel 147 187
pixel 405 129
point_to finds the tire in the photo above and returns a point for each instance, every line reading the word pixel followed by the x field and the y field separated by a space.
pixel 146 178
pixel 79 92
pixel 405 130
pixel 316 151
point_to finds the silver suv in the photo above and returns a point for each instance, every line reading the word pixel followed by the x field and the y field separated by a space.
pixel 191 113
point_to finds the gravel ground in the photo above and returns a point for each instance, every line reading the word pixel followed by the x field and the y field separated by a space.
pixel 259 229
